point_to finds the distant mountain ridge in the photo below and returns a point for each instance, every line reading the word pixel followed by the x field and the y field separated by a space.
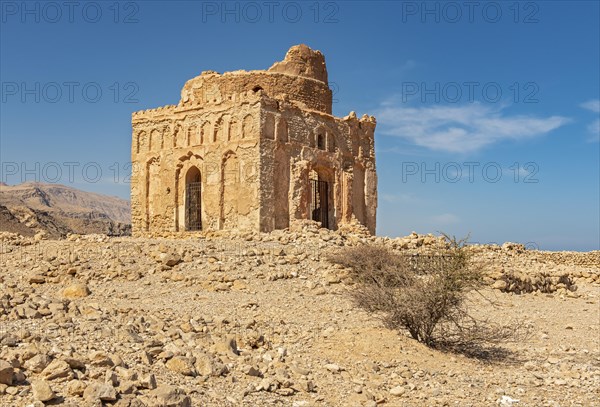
pixel 57 210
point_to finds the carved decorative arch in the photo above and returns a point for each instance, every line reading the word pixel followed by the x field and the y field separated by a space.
pixel 152 166
pixel 228 188
pixel 330 141
pixel 167 140
pixel 179 135
pixel 248 126
pixel 359 208
pixel 218 130
pixel 324 138
pixel 281 131
pixel 233 129
pixel 268 130
pixel 321 191
pixel 320 141
pixel 193 135
pixel 185 162
pixel 155 140
pixel 205 133
pixel 193 199
pixel 140 141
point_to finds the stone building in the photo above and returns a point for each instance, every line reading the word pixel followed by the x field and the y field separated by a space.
pixel 253 150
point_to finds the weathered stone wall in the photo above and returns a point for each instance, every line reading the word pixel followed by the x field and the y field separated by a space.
pixel 254 139
pixel 341 151
pixel 220 140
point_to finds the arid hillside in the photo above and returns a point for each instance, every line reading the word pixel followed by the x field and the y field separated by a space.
pixel 56 210
pixel 266 320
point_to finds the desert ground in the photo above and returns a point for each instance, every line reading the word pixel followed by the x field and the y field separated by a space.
pixel 254 319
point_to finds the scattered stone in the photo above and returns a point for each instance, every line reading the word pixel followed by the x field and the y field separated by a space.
pixel 181 365
pixel 207 366
pixel 75 362
pixel 100 391
pixel 6 373
pixel 332 367
pixel 167 396
pixel 41 390
pixel 75 388
pixel 251 371
pixel 100 359
pixel 500 285
pixel 170 259
pixel 75 291
pixel 56 369
pixel 37 279
pixel 300 370
pixel 227 347
pixel 148 382
pixel 38 363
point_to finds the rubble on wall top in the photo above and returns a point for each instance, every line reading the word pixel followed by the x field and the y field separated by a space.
pixel 160 109
pixel 365 117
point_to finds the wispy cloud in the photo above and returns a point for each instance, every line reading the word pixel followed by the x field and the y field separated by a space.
pixel 594 130
pixel 592 105
pixel 594 127
pixel 462 129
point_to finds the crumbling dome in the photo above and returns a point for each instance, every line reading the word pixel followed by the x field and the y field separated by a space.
pixel 301 78
pixel 302 61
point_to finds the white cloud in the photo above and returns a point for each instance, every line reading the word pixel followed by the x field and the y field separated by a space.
pixel 445 219
pixel 594 129
pixel 592 105
pixel 461 129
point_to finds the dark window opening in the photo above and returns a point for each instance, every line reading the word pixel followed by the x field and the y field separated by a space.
pixel 320 142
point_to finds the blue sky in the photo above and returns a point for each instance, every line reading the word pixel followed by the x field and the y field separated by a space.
pixel 488 112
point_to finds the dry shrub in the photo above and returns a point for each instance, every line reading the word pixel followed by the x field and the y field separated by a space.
pixel 424 294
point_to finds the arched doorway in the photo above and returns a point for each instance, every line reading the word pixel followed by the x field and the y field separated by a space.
pixel 320 199
pixel 193 200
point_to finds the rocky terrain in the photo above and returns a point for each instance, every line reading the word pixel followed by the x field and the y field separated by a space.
pixel 55 210
pixel 265 320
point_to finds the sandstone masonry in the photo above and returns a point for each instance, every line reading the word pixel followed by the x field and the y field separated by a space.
pixel 254 150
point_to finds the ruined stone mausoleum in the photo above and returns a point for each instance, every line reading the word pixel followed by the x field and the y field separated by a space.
pixel 253 150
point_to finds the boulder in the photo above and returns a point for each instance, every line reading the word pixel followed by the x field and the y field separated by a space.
pixel 167 396
pixel 76 291
pixel 42 390
pixel 6 373
pixel 56 369
pixel 100 391
pixel 181 365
